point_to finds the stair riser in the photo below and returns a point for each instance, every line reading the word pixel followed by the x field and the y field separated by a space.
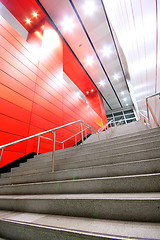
pixel 27 231
pixel 131 184
pixel 142 167
pixel 126 210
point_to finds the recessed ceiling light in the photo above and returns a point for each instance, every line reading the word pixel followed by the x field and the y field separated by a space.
pixel 89 60
pixel 106 51
pixel 68 24
pixel 35 14
pixel 127 104
pixel 125 99
pixel 87 92
pixel 89 7
pixel 102 83
pixel 28 21
pixel 116 76
pixel 92 90
pixel 122 93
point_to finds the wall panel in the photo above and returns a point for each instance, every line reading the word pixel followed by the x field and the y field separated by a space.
pixel 33 95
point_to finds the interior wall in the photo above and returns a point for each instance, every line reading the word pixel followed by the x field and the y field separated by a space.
pixel 33 95
pixel 138 32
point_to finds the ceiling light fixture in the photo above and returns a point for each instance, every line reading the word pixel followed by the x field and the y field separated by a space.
pixel 68 24
pixel 122 93
pixel 28 21
pixel 116 76
pixel 106 51
pixel 125 99
pixel 89 7
pixel 87 92
pixel 92 90
pixel 35 14
pixel 102 83
pixel 89 60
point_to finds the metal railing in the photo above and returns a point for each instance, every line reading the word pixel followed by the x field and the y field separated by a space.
pixel 150 110
pixel 145 120
pixel 39 135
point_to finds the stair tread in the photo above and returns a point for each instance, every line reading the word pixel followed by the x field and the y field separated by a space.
pixel 88 226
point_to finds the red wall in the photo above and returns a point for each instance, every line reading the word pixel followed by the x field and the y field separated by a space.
pixel 33 95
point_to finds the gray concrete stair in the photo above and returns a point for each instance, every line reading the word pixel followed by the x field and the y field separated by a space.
pixel 107 189
pixel 120 184
pixel 110 170
pixel 125 207
pixel 20 226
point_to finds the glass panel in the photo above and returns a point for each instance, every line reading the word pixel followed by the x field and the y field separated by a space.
pixel 118 113
pixel 119 117
pixel 128 111
pixel 131 120
pixel 109 116
pixel 130 116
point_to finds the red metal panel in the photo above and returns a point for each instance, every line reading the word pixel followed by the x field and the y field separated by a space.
pixel 17 64
pixel 11 110
pixel 14 126
pixel 15 98
pixel 18 43
pixel 16 86
pixel 17 54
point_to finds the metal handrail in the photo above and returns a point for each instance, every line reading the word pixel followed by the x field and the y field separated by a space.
pixel 48 131
pixel 145 120
pixel 105 126
pixel 149 108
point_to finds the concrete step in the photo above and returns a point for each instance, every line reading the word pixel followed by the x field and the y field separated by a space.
pixel 120 131
pixel 31 226
pixel 144 134
pixel 119 184
pixel 112 159
pixel 85 149
pixel 125 207
pixel 110 170
pixel 126 137
pixel 97 154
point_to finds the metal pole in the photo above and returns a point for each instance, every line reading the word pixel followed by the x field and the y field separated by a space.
pixel 98 136
pixel 63 145
pixel 81 131
pixel 75 140
pixel 54 138
pixel 38 145
pixel 1 154
pixel 86 133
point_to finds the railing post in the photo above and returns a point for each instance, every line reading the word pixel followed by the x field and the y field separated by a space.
pixel 98 136
pixel 1 154
pixel 81 131
pixel 75 140
pixel 63 145
pixel 54 138
pixel 38 145
pixel 86 133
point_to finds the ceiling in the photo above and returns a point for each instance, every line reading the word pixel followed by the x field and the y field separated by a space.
pixel 89 37
pixel 116 42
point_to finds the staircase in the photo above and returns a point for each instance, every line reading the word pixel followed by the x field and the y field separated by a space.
pixel 107 189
